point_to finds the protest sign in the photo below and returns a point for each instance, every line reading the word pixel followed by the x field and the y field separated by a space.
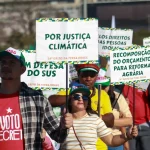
pixel 72 72
pixel 43 75
pixel 142 86
pixel 130 64
pixel 68 40
pixel 146 41
pixel 110 38
pixel 47 93
pixel 108 62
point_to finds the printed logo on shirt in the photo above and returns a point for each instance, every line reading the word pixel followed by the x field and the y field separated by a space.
pixel 10 127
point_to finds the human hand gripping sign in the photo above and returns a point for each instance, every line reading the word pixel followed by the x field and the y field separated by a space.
pixel 66 120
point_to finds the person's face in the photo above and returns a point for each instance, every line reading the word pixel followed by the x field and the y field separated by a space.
pixel 79 102
pixel 10 68
pixel 88 78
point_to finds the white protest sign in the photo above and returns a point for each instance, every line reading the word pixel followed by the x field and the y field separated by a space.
pixel 108 68
pixel 72 72
pixel 143 85
pixel 67 39
pixel 110 38
pixel 47 93
pixel 43 75
pixel 146 41
pixel 128 65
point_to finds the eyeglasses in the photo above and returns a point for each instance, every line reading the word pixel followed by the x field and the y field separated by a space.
pixel 91 74
pixel 77 97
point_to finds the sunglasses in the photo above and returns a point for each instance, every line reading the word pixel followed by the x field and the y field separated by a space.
pixel 78 97
pixel 91 74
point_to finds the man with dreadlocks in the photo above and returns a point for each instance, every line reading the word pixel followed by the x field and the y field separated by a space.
pixel 87 75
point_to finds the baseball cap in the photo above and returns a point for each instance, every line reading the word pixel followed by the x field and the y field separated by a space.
pixel 87 67
pixel 14 53
pixel 77 87
pixel 104 81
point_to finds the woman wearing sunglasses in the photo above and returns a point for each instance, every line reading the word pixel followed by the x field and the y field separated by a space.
pixel 87 126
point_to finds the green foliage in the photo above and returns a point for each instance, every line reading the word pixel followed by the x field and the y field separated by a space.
pixel 19 41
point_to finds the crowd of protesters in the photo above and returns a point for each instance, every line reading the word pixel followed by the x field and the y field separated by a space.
pixel 119 108
pixel 27 118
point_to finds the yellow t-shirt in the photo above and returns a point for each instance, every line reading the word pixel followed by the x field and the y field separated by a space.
pixel 105 108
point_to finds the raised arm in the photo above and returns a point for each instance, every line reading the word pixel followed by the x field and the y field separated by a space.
pixel 57 100
pixel 107 137
pixel 123 122
pixel 118 140
pixel 108 119
pixel 126 117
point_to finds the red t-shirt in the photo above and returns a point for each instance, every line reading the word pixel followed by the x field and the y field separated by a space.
pixel 11 135
pixel 142 110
